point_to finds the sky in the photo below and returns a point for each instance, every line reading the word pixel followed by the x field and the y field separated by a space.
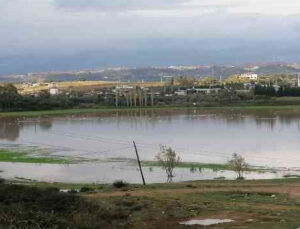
pixel 56 35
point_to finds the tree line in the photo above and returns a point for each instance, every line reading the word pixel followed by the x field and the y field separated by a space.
pixel 269 90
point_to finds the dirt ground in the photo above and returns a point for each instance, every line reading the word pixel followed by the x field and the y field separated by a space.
pixel 249 205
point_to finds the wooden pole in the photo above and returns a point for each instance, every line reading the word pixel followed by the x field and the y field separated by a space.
pixel 138 159
pixel 117 98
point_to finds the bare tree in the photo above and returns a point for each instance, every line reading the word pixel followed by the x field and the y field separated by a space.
pixel 168 158
pixel 239 165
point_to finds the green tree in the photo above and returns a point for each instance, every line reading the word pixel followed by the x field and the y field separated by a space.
pixel 168 159
pixel 239 165
pixel 8 96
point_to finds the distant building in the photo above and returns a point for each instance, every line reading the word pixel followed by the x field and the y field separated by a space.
pixel 249 75
pixel 181 92
pixel 54 91
pixel 206 90
pixel 126 87
pixel 276 87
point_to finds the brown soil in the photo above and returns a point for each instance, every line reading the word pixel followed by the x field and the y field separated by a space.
pixel 292 190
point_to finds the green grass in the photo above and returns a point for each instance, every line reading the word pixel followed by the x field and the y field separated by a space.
pixel 158 186
pixel 157 204
pixel 100 110
pixel 199 166
pixel 190 165
pixel 24 157
pixel 32 208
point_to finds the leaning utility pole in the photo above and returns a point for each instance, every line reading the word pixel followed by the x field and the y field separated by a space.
pixel 152 98
pixel 127 99
pixel 145 98
pixel 117 98
pixel 138 159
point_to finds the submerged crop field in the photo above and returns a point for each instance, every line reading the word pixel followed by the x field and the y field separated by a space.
pixel 26 157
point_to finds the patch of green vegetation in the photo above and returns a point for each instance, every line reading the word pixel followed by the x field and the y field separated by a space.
pixel 158 186
pixel 253 197
pixel 31 207
pixel 199 166
pixel 148 207
pixel 25 157
pixel 102 109
pixel 291 176
pixel 68 186
pixel 55 112
pixel 189 165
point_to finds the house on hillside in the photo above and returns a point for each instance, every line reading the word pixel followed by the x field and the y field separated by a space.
pixel 181 92
pixel 54 90
pixel 249 75
pixel 206 90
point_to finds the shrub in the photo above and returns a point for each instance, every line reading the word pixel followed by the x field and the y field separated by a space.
pixel 239 165
pixel 168 159
pixel 86 189
pixel 72 191
pixel 119 184
pixel 32 207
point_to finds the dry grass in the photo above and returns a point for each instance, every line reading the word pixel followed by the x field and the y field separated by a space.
pixel 83 86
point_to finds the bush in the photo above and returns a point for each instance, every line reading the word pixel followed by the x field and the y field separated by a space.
pixel 31 207
pixel 86 189
pixel 72 191
pixel 119 184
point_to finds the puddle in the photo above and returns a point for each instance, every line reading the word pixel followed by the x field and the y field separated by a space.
pixel 206 222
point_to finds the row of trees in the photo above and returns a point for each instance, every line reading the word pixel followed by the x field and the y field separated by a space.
pixel 282 91
pixel 11 100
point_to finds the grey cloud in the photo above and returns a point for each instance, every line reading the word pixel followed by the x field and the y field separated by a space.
pixel 126 5
pixel 118 4
pixel 43 37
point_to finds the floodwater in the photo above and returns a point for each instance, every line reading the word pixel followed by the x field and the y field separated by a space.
pixel 206 222
pixel 268 139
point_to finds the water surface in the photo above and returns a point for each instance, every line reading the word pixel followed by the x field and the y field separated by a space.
pixel 264 138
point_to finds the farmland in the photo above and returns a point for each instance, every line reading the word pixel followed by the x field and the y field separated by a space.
pixel 80 86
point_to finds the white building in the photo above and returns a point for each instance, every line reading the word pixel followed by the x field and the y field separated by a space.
pixel 54 91
pixel 181 92
pixel 206 90
pixel 249 75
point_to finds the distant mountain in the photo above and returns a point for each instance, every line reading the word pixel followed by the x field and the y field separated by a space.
pixel 153 73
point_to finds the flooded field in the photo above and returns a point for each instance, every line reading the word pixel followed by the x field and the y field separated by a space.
pixel 104 142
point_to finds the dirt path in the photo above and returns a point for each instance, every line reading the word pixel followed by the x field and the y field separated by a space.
pixel 292 190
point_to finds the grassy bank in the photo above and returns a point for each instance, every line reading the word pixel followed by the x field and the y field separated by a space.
pixel 190 165
pixel 200 166
pixel 100 110
pixel 25 157
pixel 250 204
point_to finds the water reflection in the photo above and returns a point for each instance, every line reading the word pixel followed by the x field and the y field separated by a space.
pixel 45 124
pixel 9 129
pixel 206 135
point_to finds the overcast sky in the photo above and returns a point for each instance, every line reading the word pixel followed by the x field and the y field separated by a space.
pixel 44 35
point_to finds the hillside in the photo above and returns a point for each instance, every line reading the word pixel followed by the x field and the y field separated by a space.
pixel 150 74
